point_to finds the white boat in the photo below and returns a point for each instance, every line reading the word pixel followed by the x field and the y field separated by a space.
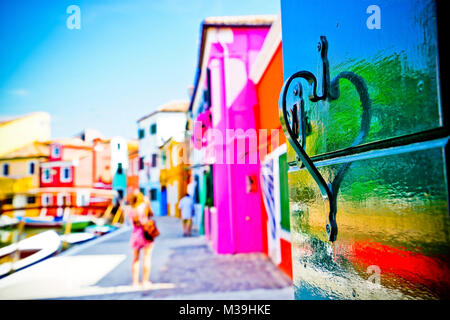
pixel 77 237
pixel 6 222
pixel 30 251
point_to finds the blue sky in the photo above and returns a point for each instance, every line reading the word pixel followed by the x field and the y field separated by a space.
pixel 127 58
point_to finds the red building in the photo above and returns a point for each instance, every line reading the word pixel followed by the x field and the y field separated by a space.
pixel 67 179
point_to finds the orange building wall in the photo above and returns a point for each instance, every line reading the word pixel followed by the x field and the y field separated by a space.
pixel 268 90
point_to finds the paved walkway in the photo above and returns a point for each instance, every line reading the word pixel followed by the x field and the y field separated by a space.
pixel 182 268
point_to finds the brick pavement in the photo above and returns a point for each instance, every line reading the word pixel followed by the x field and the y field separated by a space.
pixel 196 272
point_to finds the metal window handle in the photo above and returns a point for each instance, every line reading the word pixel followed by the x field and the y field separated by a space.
pixel 295 125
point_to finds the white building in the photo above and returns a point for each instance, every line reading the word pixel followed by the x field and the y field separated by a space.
pixel 168 121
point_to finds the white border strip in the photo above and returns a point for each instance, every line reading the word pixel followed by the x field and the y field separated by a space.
pixel 270 46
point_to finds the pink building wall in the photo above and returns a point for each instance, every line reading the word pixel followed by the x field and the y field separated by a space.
pixel 236 221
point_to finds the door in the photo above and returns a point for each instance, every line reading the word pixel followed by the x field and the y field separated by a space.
pixel 163 201
pixel 367 152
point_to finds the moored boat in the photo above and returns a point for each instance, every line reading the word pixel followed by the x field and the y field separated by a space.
pixel 29 251
pixel 7 222
pixel 78 223
pixel 100 230
pixel 77 237
pixel 42 222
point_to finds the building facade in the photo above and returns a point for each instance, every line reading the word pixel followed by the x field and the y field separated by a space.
pixel 20 175
pixel 25 129
pixel 222 103
pixel 267 75
pixel 154 129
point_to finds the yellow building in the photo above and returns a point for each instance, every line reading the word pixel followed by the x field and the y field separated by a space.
pixel 19 173
pixel 17 132
pixel 173 175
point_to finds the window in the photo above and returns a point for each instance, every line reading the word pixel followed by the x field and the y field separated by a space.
pixel 46 175
pixel 120 192
pixel 141 163
pixel 83 199
pixel 119 168
pixel 31 199
pixel 56 151
pixel 142 190
pixel 66 174
pixel 154 159
pixel 31 168
pixel 60 199
pixel 207 94
pixel 5 169
pixel 118 146
pixel 163 157
pixel 153 129
pixel 153 194
pixel 46 199
pixel 141 133
pixel 8 200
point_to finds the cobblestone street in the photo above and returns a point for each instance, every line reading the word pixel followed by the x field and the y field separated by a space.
pixel 182 268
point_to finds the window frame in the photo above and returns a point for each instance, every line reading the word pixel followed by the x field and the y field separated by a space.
pixel 62 177
pixel 5 166
pixel 50 178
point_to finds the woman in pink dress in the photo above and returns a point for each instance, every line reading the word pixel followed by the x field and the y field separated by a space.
pixel 138 213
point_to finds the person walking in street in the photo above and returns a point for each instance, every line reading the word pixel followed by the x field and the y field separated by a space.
pixel 186 206
pixel 139 212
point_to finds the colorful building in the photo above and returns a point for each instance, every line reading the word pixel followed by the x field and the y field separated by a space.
pixel 133 167
pixel 66 177
pixel 174 176
pixel 267 75
pixel 119 165
pixel 20 131
pixel 223 99
pixel 154 129
pixel 19 175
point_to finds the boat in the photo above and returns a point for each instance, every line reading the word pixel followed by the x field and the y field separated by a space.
pixel 78 223
pixel 8 222
pixel 42 222
pixel 30 251
pixel 100 229
pixel 77 237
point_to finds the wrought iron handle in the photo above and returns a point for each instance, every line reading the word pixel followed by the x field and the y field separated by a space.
pixel 330 91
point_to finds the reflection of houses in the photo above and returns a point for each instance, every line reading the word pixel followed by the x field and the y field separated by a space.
pixel 267 75
pixel 20 174
pixel 224 98
pixel 173 176
pixel 153 130
pixel 133 167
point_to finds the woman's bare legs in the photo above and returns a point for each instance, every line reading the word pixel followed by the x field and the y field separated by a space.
pixel 147 264
pixel 135 267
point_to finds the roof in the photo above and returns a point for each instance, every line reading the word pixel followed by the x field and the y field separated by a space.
pixel 33 150
pixel 240 21
pixel 253 21
pixel 7 119
pixel 172 106
pixel 72 143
